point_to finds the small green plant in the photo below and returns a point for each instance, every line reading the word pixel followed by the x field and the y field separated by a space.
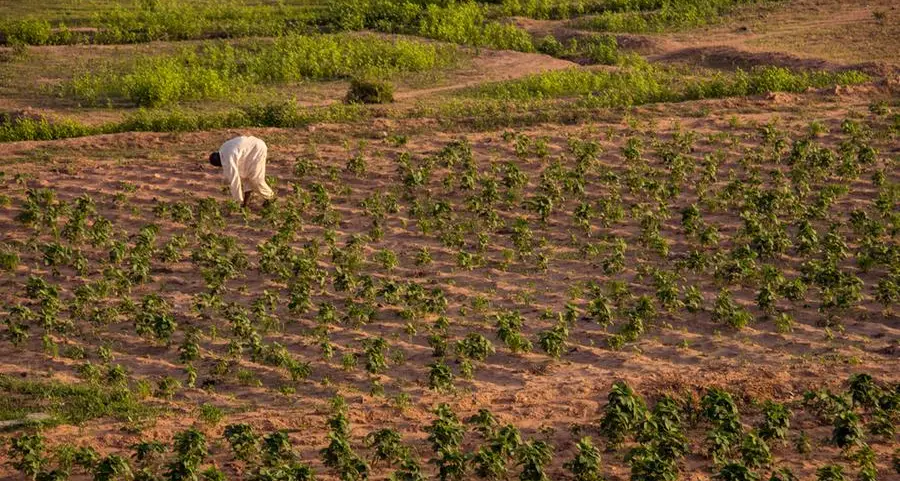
pixel 440 377
pixel 586 464
pixel 26 453
pixel 244 442
pixel 623 413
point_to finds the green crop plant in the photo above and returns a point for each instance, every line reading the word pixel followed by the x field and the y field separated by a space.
pixel 554 340
pixel 863 390
pixel 718 407
pixel 736 472
pixel 623 413
pixel 276 448
pixel 155 317
pixel 585 466
pixel 647 464
pixel 830 472
pixel 26 454
pixel 474 346
pixel 727 311
pixel 339 455
pixel 111 468
pixel 533 456
pixel 776 421
pixel 445 431
pixel 409 470
pixel 440 377
pixel 386 445
pixel 375 355
pixel 755 452
pixel 243 441
pixel 661 432
pixel 847 430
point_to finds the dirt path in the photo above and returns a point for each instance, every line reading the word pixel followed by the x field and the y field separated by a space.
pixel 493 66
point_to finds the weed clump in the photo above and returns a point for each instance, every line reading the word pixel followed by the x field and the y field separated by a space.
pixel 370 91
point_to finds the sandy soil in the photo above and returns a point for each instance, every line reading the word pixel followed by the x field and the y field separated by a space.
pixel 546 399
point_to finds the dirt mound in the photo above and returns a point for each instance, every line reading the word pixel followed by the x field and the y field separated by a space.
pixel 729 58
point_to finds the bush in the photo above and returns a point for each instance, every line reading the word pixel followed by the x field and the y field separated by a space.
pixel 28 31
pixel 370 92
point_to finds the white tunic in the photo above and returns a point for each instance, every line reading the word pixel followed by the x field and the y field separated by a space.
pixel 244 166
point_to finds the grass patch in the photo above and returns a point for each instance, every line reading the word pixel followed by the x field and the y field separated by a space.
pixel 41 129
pixel 647 83
pixel 660 16
pixel 68 403
pixel 286 114
pixel 595 49
pixel 572 96
pixel 465 23
pixel 218 70
pixel 162 20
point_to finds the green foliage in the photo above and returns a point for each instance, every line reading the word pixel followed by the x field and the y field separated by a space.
pixel 26 453
pixel 445 432
pixel 554 340
pixel 386 445
pixel 659 16
pixel 847 430
pixel 244 442
pixel 155 317
pixel 776 421
pixel 216 70
pixel 532 456
pixel 736 472
pixel 165 20
pixel 111 468
pixel 754 451
pixel 69 403
pixel 830 472
pixel 623 413
pixel 475 347
pixel 12 130
pixel 374 352
pixel 339 455
pixel 646 84
pixel 585 466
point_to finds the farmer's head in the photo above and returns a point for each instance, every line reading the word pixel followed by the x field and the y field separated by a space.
pixel 215 159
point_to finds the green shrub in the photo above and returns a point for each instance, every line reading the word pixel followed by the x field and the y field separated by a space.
pixel 8 260
pixel 42 129
pixel 27 31
pixel 658 16
pixel 369 92
pixel 644 83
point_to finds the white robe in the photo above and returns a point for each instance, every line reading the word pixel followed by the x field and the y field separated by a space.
pixel 244 167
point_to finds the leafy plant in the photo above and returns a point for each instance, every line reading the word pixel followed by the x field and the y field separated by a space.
pixel 585 466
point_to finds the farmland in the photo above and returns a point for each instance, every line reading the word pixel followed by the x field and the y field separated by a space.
pixel 564 239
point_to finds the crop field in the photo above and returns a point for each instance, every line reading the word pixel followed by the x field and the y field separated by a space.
pixel 643 240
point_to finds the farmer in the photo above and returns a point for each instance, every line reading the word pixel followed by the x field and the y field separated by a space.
pixel 243 162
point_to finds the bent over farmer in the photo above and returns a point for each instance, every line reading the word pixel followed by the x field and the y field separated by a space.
pixel 243 162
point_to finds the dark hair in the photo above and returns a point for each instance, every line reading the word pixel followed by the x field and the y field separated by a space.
pixel 215 159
